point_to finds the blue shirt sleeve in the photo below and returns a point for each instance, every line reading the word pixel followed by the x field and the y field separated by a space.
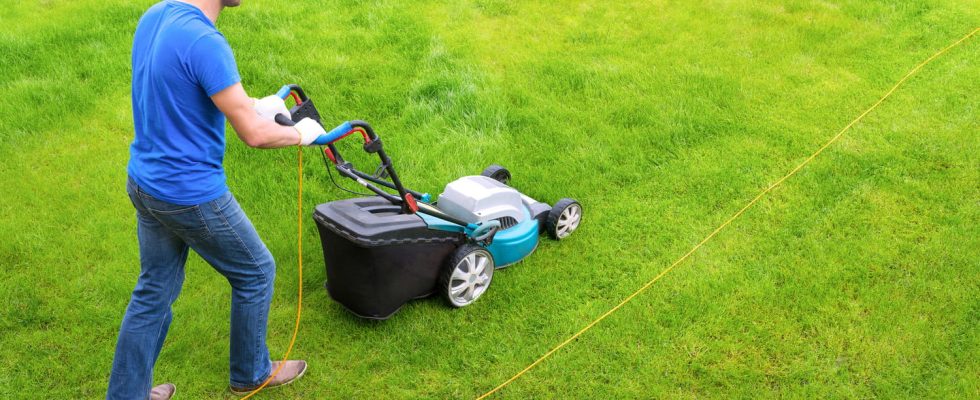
pixel 212 63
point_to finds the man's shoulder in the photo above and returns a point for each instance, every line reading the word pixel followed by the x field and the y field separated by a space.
pixel 181 22
pixel 156 8
pixel 194 25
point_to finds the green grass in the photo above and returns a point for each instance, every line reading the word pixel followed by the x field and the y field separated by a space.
pixel 856 278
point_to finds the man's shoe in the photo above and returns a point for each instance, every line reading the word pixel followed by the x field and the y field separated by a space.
pixel 163 392
pixel 291 371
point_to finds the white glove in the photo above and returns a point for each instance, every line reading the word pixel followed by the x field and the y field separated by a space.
pixel 268 106
pixel 309 131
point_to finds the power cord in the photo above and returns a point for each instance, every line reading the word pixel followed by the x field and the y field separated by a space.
pixel 330 172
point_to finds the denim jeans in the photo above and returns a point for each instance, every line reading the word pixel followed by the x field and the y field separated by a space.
pixel 224 237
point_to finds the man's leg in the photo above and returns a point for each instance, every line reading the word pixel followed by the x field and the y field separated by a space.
pixel 148 315
pixel 236 251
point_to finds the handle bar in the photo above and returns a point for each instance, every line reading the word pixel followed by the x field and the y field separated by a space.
pixel 372 144
pixel 287 89
pixel 283 120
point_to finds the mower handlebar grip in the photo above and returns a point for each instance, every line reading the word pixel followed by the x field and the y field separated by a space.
pixel 339 132
pixel 283 120
pixel 284 92
pixel 367 129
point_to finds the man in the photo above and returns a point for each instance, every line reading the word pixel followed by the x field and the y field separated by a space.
pixel 185 84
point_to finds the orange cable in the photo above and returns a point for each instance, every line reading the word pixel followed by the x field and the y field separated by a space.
pixel 728 221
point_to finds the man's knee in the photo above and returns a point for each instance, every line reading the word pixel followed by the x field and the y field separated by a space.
pixel 145 312
pixel 256 281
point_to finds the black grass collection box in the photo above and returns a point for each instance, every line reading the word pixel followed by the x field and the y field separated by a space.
pixel 378 259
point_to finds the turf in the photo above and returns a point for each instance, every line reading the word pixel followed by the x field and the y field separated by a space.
pixel 857 278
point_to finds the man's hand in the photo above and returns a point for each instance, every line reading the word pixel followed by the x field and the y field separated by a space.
pixel 254 130
pixel 310 131
pixel 268 106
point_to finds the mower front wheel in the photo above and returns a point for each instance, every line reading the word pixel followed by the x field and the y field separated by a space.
pixel 466 275
pixel 564 218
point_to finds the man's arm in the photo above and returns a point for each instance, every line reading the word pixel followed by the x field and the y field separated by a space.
pixel 255 131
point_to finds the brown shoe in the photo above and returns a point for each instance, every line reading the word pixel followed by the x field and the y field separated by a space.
pixel 163 392
pixel 291 371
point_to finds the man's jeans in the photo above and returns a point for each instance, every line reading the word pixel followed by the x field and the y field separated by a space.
pixel 221 233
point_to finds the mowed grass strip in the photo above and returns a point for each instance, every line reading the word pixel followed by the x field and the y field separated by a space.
pixel 855 279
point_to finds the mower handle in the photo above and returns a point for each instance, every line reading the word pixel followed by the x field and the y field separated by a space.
pixel 283 120
pixel 285 90
pixel 372 144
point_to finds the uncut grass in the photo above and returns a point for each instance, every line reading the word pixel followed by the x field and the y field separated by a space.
pixel 661 118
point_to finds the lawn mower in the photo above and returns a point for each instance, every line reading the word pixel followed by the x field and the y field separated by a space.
pixel 384 250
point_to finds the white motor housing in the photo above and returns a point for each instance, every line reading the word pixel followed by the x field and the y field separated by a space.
pixel 480 199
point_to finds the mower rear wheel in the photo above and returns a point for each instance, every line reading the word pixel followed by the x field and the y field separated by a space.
pixel 564 218
pixel 466 275
pixel 498 173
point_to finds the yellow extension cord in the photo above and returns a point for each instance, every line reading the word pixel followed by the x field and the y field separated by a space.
pixel 299 223
pixel 728 221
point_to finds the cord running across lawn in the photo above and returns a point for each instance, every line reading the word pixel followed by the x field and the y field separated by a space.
pixel 730 219
pixel 299 256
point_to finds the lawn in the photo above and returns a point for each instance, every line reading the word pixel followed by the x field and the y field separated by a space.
pixel 857 278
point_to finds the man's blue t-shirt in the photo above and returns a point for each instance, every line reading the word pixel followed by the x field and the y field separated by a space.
pixel 179 61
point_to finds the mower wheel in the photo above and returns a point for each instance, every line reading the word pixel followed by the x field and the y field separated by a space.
pixel 466 275
pixel 563 218
pixel 498 173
